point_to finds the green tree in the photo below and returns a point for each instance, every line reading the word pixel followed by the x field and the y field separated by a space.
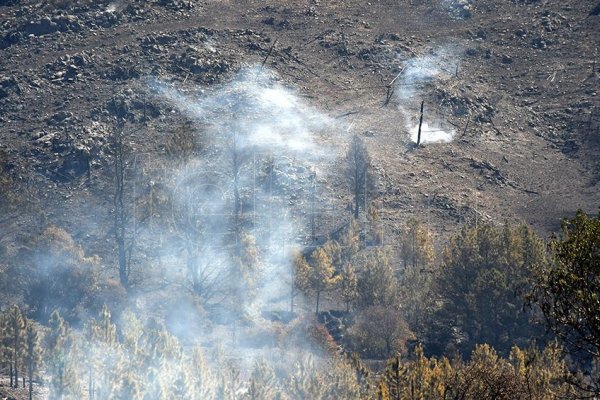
pixel 101 352
pixel 377 282
pixel 379 332
pixel 350 243
pixel 16 334
pixel 57 274
pixel 263 383
pixel 318 276
pixel 246 271
pixel 568 292
pixel 349 285
pixel 5 351
pixel 203 380
pixel 480 290
pixel 61 356
pixel 416 278
pixel 416 245
pixel 33 354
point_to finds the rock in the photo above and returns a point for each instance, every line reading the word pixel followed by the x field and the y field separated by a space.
pixel 8 85
pixel 521 33
pixel 60 117
pixel 67 23
pixel 10 39
pixel 506 59
pixel 161 39
pixel 41 27
pixel 174 4
pixel 471 52
pixel 105 19
pixel 73 165
pixel 279 316
pixel 81 60
pixel 120 73
pixel 539 43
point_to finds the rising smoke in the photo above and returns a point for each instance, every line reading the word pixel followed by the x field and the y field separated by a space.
pixel 415 84
pixel 239 207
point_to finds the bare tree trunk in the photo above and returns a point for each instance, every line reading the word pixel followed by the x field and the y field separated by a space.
pixel 30 381
pixel 236 194
pixel 91 384
pixel 356 183
pixel 120 215
pixel 420 123
pixel 318 298
pixel 16 357
pixel 313 198
pixel 30 366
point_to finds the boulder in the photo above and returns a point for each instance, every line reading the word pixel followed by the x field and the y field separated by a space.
pixel 43 26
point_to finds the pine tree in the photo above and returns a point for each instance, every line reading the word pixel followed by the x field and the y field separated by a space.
pixel 416 245
pixel 306 381
pixel 33 353
pixel 317 276
pixel 394 376
pixel 377 282
pixel 350 243
pixel 64 382
pixel 416 278
pixel 160 350
pixel 16 333
pixel 246 271
pixel 102 353
pixel 323 274
pixel 480 288
pixel 5 346
pixel 263 383
pixel 203 380
pixel 349 289
pixel 568 292
pixel 382 392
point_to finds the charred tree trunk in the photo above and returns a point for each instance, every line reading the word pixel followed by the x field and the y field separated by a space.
pixel 357 173
pixel 16 356
pixel 356 192
pixel 120 214
pixel 30 380
pixel 318 299
pixel 313 199
pixel 236 192
pixel 420 123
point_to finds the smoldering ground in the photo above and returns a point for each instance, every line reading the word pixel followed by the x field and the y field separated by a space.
pixel 415 83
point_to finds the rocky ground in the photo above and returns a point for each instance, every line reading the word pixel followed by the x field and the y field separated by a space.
pixel 517 82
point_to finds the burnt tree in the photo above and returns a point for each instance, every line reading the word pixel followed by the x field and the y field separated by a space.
pixel 358 173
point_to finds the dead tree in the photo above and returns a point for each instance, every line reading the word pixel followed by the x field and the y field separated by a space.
pixel 358 172
pixel 420 123
pixel 121 217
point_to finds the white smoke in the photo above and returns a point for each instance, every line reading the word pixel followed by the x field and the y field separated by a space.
pixel 415 83
pixel 431 134
pixel 268 115
pixel 277 138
